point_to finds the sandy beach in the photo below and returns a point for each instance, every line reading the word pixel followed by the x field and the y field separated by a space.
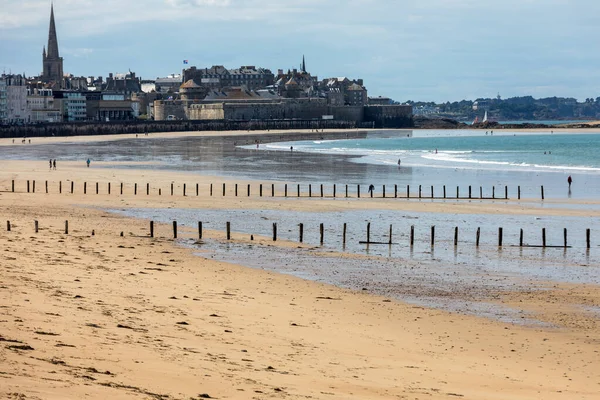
pixel 93 314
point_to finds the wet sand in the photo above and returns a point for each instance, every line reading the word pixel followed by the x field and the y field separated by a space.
pixel 106 316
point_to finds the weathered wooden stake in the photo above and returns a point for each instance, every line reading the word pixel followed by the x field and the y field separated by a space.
pixel 272 190
pixel 334 190
pixel 46 186
pixel 444 191
pixel 344 235
pixel 301 233
pixel 412 235
pixel 506 192
pixel 358 190
pixel 13 185
pixel 97 187
pixel 493 192
pixel 151 229
pixel 147 188
pixel 587 238
pixel 174 229
pixel 274 231
pixel 135 189
pixel 456 236
pixel 160 192
pixel 419 191
pixel 248 190
pixel 66 227
pixel 432 235
pixel 172 189
pixel 500 237
pixel 121 187
pixel 72 187
pixel 8 226
pixel 384 191
pixel 309 190
pixel 36 224
pixel 395 191
pixel 457 192
pixel 481 192
pixel 321 190
pixel 469 191
pixel 33 188
pixel 223 190
pixel 260 190
pixel 543 237
pixel 28 186
pixel 59 187
pixel 346 190
pixel 390 241
pixel 199 229
pixel 432 192
pixel 322 230
pixel 228 228
pixel 285 190
pixel 408 191
pixel 368 232
pixel 184 189
pixel 565 236
pixel 198 189
pixel 236 190
pixel 477 236
pixel 298 190
pixel 521 238
pixel 108 187
pixel 542 192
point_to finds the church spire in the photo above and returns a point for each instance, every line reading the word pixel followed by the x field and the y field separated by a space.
pixel 303 64
pixel 52 40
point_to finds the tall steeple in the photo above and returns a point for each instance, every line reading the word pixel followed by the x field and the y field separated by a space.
pixel 52 62
pixel 52 40
pixel 303 64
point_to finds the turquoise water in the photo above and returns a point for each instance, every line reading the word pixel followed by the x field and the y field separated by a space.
pixel 468 149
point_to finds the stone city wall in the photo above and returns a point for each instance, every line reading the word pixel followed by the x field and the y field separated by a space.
pixel 164 108
pixel 389 116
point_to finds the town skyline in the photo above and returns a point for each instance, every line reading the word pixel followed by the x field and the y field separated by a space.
pixel 439 51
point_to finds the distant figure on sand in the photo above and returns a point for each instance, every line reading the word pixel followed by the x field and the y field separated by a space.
pixel 54 163
pixel 50 163
pixel 371 188
pixel 569 181
pixel 398 162
pixel 291 148
pixel 88 162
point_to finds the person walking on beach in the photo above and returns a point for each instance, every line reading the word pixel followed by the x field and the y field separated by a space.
pixel 50 163
pixel 569 181
pixel 371 189
pixel 88 162
pixel 54 163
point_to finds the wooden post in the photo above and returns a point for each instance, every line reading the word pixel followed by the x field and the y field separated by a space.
pixel 493 192
pixel 84 187
pixel 108 187
pixel 301 233
pixel 346 191
pixel 419 191
pixel 521 238
pixel 565 236
pixel 274 231
pixel 344 235
pixel 46 186
pixel 272 190
pixel 135 189
pixel 184 189
pixel 285 190
pixel 444 191
pixel 322 230
pixel 384 191
pixel 147 188
pixel 172 189
pixel 151 229
pixel 36 224
pixel 358 190
pixel 481 192
pixel 395 191
pixel 309 190
pixel 298 190
pixel 587 238
pixel 13 185
pixel 199 229
pixel 72 187
pixel 542 192
pixel 455 236
pixel 33 188
pixel 469 191
pixel 543 237
pixel 27 185
pixel 160 192
pixel 477 236
pixel 121 187
pixel 519 192
pixel 223 190
pixel 390 241
pixel 66 227
pixel 334 190
pixel 236 190
pixel 432 191
pixel 260 190
pixel 97 187
pixel 506 192
pixel 412 235
pixel 368 232
pixel 499 237
pixel 228 228
pixel 321 190
pixel 408 191
pixel 198 189
pixel 174 229
pixel 248 190
pixel 8 226
pixel 59 187
pixel 458 192
pixel 432 235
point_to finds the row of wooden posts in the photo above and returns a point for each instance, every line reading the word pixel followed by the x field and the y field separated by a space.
pixel 368 237
pixel 31 189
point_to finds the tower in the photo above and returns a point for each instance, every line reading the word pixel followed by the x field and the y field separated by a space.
pixel 303 67
pixel 52 62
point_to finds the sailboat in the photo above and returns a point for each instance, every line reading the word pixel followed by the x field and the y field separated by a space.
pixel 485 118
pixel 476 120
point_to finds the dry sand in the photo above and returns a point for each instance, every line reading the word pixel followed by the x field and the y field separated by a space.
pixel 106 316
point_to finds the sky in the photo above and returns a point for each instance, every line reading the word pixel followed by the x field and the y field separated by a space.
pixel 420 50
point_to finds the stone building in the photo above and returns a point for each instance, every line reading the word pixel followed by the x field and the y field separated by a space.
pixel 52 62
pixel 126 84
pixel 108 107
pixel 191 91
pixel 41 106
pixel 3 111
pixel 170 84
pixel 17 111
pixel 218 77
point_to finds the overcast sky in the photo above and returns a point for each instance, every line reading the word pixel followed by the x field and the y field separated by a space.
pixel 428 50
